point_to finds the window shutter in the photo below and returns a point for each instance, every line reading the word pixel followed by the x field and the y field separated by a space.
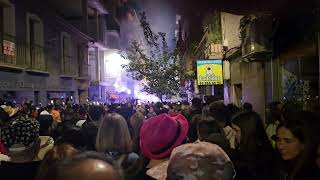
pixel 9 21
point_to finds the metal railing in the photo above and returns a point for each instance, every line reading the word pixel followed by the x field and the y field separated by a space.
pixel 67 68
pixel 84 70
pixel 15 59
pixel 37 57
pixel 25 55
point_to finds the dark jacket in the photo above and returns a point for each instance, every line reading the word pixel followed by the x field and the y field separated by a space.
pixel 89 131
pixel 192 118
pixel 254 157
pixel 25 171
pixel 309 171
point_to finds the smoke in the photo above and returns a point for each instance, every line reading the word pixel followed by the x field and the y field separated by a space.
pixel 160 14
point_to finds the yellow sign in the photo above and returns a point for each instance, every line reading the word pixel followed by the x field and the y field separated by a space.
pixel 209 72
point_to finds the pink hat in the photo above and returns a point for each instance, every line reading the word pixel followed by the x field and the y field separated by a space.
pixel 159 135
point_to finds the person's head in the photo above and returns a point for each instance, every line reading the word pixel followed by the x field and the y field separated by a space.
pixel 57 153
pixel 113 135
pixel 196 103
pixel 50 108
pixel 185 109
pixel 76 108
pixel 46 124
pixel 274 112
pixel 250 133
pixel 85 166
pixel 219 112
pixel 69 114
pixel 297 140
pixel 290 139
pixel 247 106
pixel 96 113
pixel 209 131
pixel 151 109
pixel 232 109
pixel 201 160
pixel 141 110
pixel 136 120
pixel 206 111
pixel 291 109
pixel 21 137
pixel 159 135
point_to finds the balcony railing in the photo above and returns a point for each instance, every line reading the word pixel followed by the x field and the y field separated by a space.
pixel 67 68
pixel 11 54
pixel 25 55
pixel 37 58
pixel 84 70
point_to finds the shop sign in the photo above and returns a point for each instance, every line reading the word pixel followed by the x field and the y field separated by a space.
pixel 209 72
pixel 8 48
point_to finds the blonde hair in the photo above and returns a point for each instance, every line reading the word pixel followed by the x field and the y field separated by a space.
pixel 113 135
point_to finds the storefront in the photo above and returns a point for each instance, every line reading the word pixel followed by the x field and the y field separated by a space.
pixel 40 88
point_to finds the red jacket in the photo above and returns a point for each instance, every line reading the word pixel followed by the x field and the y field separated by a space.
pixel 3 149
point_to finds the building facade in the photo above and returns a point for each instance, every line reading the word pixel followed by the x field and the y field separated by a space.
pixel 47 56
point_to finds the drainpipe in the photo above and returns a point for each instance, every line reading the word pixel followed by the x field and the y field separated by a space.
pixel 84 6
pixel 319 61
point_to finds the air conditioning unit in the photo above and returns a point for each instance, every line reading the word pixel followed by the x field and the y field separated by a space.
pixel 257 44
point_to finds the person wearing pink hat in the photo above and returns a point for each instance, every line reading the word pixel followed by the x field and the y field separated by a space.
pixel 159 135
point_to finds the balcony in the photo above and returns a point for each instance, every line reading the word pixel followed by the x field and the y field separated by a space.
pixel 83 72
pixel 37 58
pixel 10 54
pixel 21 55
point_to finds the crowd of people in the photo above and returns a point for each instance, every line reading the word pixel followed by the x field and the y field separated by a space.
pixel 164 141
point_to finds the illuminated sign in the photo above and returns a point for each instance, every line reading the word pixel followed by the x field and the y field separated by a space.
pixel 209 72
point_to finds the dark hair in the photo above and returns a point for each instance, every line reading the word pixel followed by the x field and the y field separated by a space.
pixel 218 111
pixel 60 170
pixel 274 113
pixel 196 103
pixel 247 106
pixel 95 113
pixel 71 134
pixel 291 110
pixel 206 111
pixel 304 127
pixel 50 107
pixel 136 122
pixel 46 122
pixel 209 131
pixel 296 127
pixel 254 139
pixel 4 117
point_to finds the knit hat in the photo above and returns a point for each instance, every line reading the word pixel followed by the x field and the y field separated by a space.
pixel 20 131
pixel 160 134
pixel 197 161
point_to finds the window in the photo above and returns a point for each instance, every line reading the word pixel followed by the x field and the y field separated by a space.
pixel 1 32
pixel 66 54
pixel 7 35
pixel 82 61
pixel 35 42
